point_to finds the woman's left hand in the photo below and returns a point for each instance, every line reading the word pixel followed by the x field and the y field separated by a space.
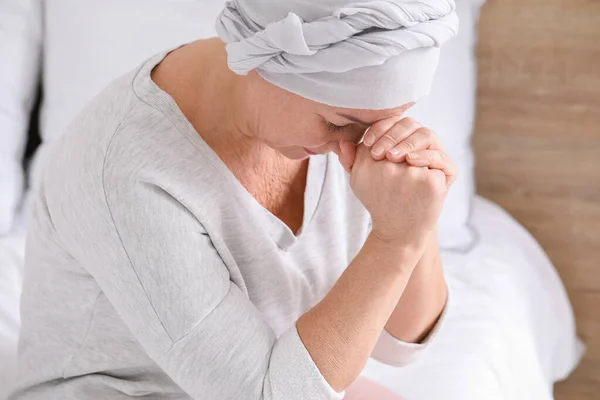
pixel 404 140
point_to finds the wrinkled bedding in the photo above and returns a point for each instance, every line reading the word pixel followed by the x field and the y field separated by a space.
pixel 510 331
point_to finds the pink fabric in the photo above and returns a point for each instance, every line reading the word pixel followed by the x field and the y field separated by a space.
pixel 366 389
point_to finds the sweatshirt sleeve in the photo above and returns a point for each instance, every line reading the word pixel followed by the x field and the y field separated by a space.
pixel 395 352
pixel 158 267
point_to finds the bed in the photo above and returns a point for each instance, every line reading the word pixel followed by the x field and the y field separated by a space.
pixel 510 329
pixel 537 141
pixel 12 249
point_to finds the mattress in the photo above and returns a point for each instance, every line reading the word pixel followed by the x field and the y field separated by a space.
pixel 509 334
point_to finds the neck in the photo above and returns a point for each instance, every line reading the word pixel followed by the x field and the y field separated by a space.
pixel 212 98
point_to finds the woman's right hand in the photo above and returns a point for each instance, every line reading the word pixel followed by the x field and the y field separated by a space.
pixel 404 201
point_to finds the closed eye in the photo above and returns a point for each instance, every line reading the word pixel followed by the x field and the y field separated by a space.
pixel 335 128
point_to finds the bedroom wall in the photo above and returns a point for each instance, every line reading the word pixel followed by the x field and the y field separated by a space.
pixel 537 140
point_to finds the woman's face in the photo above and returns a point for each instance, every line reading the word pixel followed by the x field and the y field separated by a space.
pixel 298 127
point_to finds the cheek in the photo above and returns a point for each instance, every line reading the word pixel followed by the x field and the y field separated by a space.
pixel 296 131
pixel 306 136
pixel 316 139
pixel 295 138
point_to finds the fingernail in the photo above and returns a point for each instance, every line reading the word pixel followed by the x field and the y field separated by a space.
pixel 369 140
pixel 412 156
pixel 377 150
pixel 394 151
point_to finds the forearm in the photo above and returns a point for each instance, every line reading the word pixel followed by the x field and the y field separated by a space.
pixel 340 332
pixel 423 299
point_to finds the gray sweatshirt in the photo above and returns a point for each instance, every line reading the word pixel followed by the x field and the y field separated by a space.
pixel 151 271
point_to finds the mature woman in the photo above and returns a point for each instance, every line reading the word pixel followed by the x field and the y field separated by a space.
pixel 194 237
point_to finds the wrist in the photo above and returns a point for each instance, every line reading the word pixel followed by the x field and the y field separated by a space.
pixel 401 250
pixel 407 244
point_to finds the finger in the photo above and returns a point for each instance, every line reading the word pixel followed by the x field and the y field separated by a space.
pixel 376 130
pixel 363 155
pixel 347 154
pixel 434 159
pixel 396 134
pixel 422 139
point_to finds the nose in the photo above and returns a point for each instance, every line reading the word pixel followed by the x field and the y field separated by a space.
pixel 355 135
pixel 360 135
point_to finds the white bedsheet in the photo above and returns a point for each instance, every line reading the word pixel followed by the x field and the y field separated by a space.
pixel 509 334
pixel 12 249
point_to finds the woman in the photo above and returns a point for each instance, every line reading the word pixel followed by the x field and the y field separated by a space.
pixel 193 237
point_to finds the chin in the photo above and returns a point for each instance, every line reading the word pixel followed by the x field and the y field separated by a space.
pixel 294 153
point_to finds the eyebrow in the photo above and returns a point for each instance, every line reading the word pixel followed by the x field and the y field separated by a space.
pixel 354 119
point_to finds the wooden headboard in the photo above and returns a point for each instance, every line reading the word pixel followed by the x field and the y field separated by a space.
pixel 537 141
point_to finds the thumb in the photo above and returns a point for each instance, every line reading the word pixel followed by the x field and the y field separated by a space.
pixel 347 154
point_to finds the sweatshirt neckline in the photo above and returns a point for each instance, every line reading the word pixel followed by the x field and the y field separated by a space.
pixel 150 93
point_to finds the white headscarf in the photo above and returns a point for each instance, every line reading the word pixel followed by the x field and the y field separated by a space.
pixel 371 55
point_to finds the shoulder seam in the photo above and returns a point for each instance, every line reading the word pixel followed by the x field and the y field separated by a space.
pixel 110 213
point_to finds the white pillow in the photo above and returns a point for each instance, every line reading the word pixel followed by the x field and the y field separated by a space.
pixel 20 48
pixel 449 110
pixel 89 43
